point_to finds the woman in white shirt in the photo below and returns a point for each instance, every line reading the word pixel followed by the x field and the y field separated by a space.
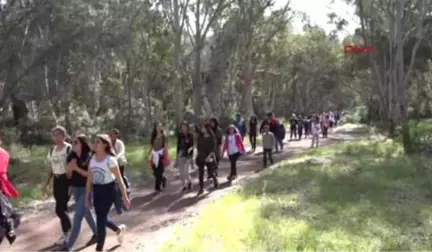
pixel 104 172
pixel 57 171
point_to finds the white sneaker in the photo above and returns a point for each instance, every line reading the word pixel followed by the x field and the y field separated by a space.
pixel 62 240
pixel 120 234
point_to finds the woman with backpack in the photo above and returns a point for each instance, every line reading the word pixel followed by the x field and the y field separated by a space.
pixel 57 171
pixel 159 156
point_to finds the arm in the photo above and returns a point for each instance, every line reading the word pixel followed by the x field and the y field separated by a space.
pixel 89 186
pixel 116 171
pixel 191 144
pixel 50 172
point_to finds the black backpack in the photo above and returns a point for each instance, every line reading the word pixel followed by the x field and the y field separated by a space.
pixel 68 150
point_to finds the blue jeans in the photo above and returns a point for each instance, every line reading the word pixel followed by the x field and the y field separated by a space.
pixel 279 143
pixel 118 202
pixel 80 213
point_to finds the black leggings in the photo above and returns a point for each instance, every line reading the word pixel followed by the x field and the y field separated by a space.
pixel 211 171
pixel 61 197
pixel 158 173
pixel 293 132
pixel 233 160
pixel 103 199
pixel 252 139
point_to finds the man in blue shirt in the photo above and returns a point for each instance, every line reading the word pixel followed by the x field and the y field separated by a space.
pixel 240 124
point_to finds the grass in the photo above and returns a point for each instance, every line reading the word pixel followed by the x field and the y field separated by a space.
pixel 364 196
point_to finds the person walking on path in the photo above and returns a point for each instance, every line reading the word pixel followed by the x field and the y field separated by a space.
pixel 214 122
pixel 293 127
pixel 101 182
pixel 120 151
pixel 253 128
pixel 300 127
pixel 325 126
pixel 77 171
pixel 240 124
pixel 233 145
pixel 57 158
pixel 206 148
pixel 315 131
pixel 268 142
pixel 159 156
pixel 185 145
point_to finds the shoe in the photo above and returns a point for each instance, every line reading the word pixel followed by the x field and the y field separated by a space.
pixel 92 240
pixel 121 233
pixel 189 186
pixel 62 240
pixel 201 191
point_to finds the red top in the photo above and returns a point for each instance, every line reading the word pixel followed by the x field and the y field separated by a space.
pixel 239 143
pixel 6 186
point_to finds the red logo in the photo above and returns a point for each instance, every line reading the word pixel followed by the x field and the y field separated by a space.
pixel 353 49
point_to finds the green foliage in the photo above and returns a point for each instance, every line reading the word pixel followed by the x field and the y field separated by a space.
pixel 363 196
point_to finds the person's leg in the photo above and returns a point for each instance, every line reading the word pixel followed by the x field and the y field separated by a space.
pixel 276 142
pixel 211 170
pixel 313 140
pixel 234 163
pixel 80 212
pixel 186 167
pixel 292 129
pixel 61 196
pixel 270 156
pixel 281 144
pixel 201 175
pixel 103 198
pixel 232 166
pixel 158 176
pixel 265 151
pixel 181 162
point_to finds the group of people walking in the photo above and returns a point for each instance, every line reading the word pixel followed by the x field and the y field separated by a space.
pixel 94 173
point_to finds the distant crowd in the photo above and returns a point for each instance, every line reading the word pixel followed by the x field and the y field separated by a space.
pixel 94 173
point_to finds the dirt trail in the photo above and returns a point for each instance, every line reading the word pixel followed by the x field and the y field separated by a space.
pixel 150 214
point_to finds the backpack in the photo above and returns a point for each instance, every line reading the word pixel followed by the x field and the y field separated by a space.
pixel 68 150
pixel 282 130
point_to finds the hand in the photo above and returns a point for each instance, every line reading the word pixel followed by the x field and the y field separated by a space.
pixel 45 191
pixel 126 201
pixel 87 203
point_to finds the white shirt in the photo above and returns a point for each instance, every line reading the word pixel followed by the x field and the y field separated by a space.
pixel 232 145
pixel 120 150
pixel 102 171
pixel 57 158
pixel 315 128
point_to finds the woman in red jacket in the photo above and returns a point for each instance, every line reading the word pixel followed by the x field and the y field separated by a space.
pixel 234 146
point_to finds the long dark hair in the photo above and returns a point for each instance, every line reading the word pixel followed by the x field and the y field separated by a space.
pixel 209 129
pixel 215 121
pixel 253 120
pixel 85 146
pixel 154 133
pixel 106 140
